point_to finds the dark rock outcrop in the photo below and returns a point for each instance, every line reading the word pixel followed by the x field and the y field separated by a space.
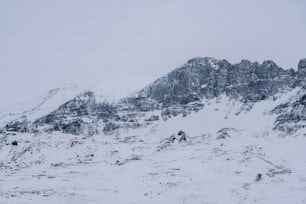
pixel 208 78
pixel 302 69
pixel 20 125
pixel 78 116
pixel 291 115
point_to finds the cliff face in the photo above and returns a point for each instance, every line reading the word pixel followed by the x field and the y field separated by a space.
pixel 77 116
pixel 291 115
pixel 208 78
pixel 302 69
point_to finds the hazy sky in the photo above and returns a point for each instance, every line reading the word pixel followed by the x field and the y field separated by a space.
pixel 125 44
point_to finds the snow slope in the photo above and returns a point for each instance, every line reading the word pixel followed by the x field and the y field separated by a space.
pixel 226 153
pixel 42 106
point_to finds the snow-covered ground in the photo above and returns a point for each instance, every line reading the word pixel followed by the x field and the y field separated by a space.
pixel 143 169
pixel 226 158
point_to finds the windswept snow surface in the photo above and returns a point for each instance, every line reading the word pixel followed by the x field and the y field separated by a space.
pixel 229 155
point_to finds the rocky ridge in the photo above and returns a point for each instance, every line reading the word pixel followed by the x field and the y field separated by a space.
pixel 180 92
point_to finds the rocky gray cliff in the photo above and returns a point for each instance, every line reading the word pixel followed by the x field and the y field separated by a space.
pixel 291 115
pixel 302 69
pixel 208 78
pixel 179 92
pixel 79 115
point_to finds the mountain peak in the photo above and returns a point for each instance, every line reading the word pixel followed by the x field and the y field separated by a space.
pixel 269 64
pixel 208 61
pixel 302 64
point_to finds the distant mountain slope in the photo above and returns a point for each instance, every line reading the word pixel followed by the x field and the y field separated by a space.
pixel 181 92
pixel 38 108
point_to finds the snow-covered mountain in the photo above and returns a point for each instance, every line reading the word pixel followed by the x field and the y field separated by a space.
pixel 35 109
pixel 207 132
pixel 181 92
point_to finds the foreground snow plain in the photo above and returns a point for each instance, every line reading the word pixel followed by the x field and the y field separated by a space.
pixel 226 158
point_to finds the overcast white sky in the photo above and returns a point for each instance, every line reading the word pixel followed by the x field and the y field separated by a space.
pixel 125 44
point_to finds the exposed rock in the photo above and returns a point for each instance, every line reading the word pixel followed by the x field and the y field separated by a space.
pixel 14 143
pixel 258 177
pixel 207 78
pixel 224 133
pixel 292 114
pixel 78 116
pixel 180 137
pixel 302 65
pixel 110 127
pixel 21 125
pixel 153 118
pixel 183 137
pixel 302 69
